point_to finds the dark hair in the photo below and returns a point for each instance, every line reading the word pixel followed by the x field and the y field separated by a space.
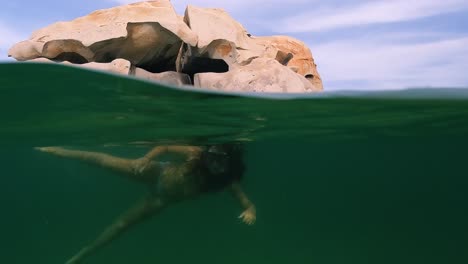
pixel 222 165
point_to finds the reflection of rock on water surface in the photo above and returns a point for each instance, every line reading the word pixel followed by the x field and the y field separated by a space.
pixel 206 48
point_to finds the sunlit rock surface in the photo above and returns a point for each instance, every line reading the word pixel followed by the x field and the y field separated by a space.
pixel 169 77
pixel 301 61
pixel 206 48
pixel 148 34
pixel 261 75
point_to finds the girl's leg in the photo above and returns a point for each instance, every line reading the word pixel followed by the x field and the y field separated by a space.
pixel 141 211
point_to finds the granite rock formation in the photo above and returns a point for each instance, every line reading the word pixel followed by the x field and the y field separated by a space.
pixel 206 48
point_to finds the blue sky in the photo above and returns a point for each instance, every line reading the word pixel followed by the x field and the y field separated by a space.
pixel 360 44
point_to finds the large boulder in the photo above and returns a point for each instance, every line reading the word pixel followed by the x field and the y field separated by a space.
pixel 148 34
pixel 149 40
pixel 301 59
pixel 221 38
pixel 260 75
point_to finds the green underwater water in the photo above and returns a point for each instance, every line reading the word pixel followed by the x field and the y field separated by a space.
pixel 350 177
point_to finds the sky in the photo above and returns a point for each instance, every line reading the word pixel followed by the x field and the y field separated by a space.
pixel 357 45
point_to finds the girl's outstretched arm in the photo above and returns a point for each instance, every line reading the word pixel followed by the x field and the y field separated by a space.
pixel 185 150
pixel 249 215
pixel 97 158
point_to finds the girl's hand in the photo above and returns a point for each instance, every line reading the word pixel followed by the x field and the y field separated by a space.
pixel 49 149
pixel 249 215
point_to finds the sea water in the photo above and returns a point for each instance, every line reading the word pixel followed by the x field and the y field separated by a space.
pixel 351 177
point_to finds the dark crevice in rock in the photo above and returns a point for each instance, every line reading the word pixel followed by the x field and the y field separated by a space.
pixel 132 70
pixel 248 61
pixel 191 62
pixel 159 66
pixel 160 62
pixel 72 57
pixel 107 50
pixel 187 18
pixel 204 64
pixel 309 76
pixel 283 57
pixel 105 57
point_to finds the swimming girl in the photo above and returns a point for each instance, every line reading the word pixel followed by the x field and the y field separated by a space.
pixel 191 171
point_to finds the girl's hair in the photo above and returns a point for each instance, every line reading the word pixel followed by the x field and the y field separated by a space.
pixel 222 165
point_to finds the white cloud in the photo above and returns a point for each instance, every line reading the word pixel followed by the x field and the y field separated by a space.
pixel 9 37
pixel 372 12
pixel 230 6
pixel 391 66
